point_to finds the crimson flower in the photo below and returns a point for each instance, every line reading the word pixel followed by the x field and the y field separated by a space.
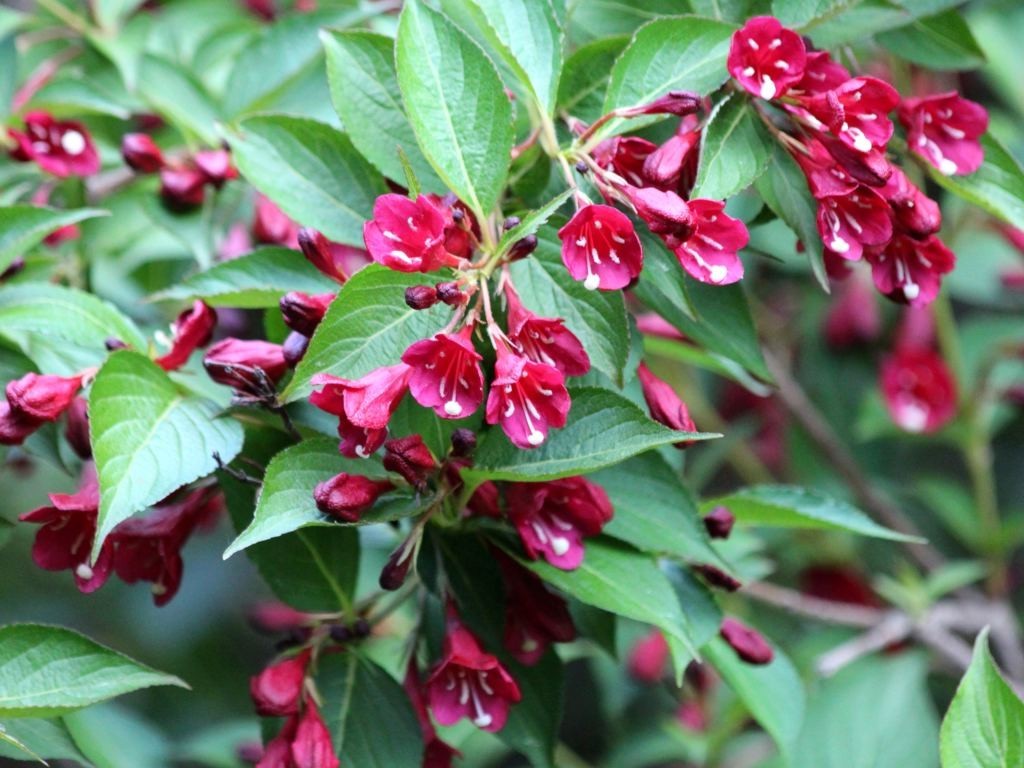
pixel 821 73
pixel 766 58
pixel 277 690
pixel 664 404
pixel 625 155
pixel 854 317
pixel 312 746
pixel 347 496
pixel 406 235
pixel 193 329
pixel 664 212
pixel 918 389
pixel 469 682
pixel 245 365
pixel 711 253
pixel 857 112
pixel 215 165
pixel 445 373
pixel 673 165
pixel 527 398
pixel 825 177
pixel 141 153
pixel 63 148
pixel 183 187
pixel 42 397
pixel 719 522
pixel 912 209
pixel 271 225
pixel 363 406
pixel 944 129
pixel 600 247
pixel 544 339
pixel 334 260
pixel 409 457
pixel 303 312
pixel 910 271
pixel 647 657
pixel 849 222
pixel 535 617
pixel 553 518
pixel 749 644
pixel 437 754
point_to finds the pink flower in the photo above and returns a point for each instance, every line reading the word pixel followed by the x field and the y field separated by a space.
pixel 913 210
pixel 63 148
pixel 277 690
pixel 141 153
pixel 347 496
pixel 766 58
pixel 600 247
pixel 664 404
pixel 334 260
pixel 248 366
pixel 944 129
pixel 193 329
pixel 553 518
pixel 910 271
pixel 824 175
pixel 673 165
pixel 664 213
pixel 871 168
pixel 215 165
pixel 821 73
pixel 468 682
pixel 527 399
pixel 534 616
pixel 406 235
pixel 312 746
pixel 182 188
pixel 363 406
pixel 849 222
pixel 710 254
pixel 918 389
pixel 544 339
pixel 271 225
pixel 647 657
pixel 748 643
pixel 445 374
pixel 857 112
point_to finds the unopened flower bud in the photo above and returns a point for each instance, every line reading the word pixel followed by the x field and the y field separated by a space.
pixel 361 628
pixel 277 689
pixel 42 397
pixel 141 153
pixel 522 248
pixel 347 496
pixel 664 404
pixel 215 166
pixel 719 522
pixel 317 250
pixel 76 432
pixel 463 442
pixel 664 213
pixel 249 367
pixel 421 296
pixel 400 563
pixel 748 643
pixel 113 344
pixel 451 294
pixel 410 458
pixel 679 103
pixel 294 348
pixel 182 188
pixel 581 167
pixel 13 269
pixel 340 633
pixel 303 312
pixel 510 222
pixel 716 577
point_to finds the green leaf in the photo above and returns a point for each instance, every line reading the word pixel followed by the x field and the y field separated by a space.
pixel 531 222
pixel 149 438
pixel 773 693
pixel 112 736
pixel 984 725
pixel 364 89
pixel 46 671
pixel 784 189
pixel 585 78
pixel 877 712
pixel 457 104
pixel 41 739
pixel 368 714
pixel 8 72
pixel 528 36
pixel 604 428
pixel 175 95
pixel 996 187
pixel 258 279
pixel 942 42
pixel 789 506
pixel 22 227
pixel 681 53
pixel 597 318
pixel 285 502
pixel 368 326
pixel 311 171
pixel 734 150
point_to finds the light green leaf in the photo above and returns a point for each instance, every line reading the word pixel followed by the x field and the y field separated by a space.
pixel 258 279
pixel 996 187
pixel 47 671
pixel 368 326
pixel 8 72
pixel 531 222
pixel 457 105
pixel 22 227
pixel 41 739
pixel 149 438
pixel 734 150
pixel 585 77
pixel 789 506
pixel 942 42
pixel 180 98
pixel 984 726
pixel 311 171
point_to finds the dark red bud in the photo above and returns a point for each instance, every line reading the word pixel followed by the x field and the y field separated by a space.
pixel 141 153
pixel 400 563
pixel 182 188
pixel 347 496
pixel 250 367
pixel 294 348
pixel 303 312
pixel 510 222
pixel 340 633
pixel 76 431
pixel 451 294
pixel 13 269
pixel 215 166
pixel 42 397
pixel 15 426
pixel 522 248
pixel 361 628
pixel 679 103
pixel 463 442
pixel 719 522
pixel 664 213
pixel 276 690
pixel 410 458
pixel 421 296
pixel 317 250
pixel 716 577
pixel 748 643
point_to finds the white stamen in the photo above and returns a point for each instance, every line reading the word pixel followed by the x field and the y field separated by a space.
pixel 83 571
pixel 782 64
pixel 560 545
pixel 535 438
pixel 392 236
pixel 768 89
pixel 749 72
pixel 73 143
pixel 753 44
pixel 402 256
pixel 718 273
pixel 582 242
pixel 913 417
pixel 592 282
pixel 452 408
pixel 839 245
pixel 911 291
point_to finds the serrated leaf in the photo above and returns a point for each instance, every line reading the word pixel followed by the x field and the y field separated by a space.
pixel 734 150
pixel 22 227
pixel 311 171
pixel 533 221
pixel 996 187
pixel 258 279
pixel 604 428
pixel 47 671
pixel 585 77
pixel 368 326
pixel 364 88
pixel 45 739
pixel 943 42
pixel 149 438
pixel 457 105
pixel 789 506
pixel 180 98
pixel 984 726
pixel 597 318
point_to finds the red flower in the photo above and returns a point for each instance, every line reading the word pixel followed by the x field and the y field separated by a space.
pixel 748 643
pixel 914 211
pixel 527 399
pixel 944 129
pixel 664 212
pixel 437 753
pixel 857 112
pixel 409 457
pixel 849 222
pixel 312 746
pixel 625 155
pixel 673 165
pixel 918 389
pixel 766 58
pixel 534 616
pixel 719 522
pixel 141 153
pixel 363 406
pixel 63 148
pixel 553 518
pixel 544 339
pixel 910 271
pixel 679 103
pixel 461 229
pixel 246 366
pixel 824 176
pixel 664 404
pixel 445 374
pixel 467 682
pixel 600 247
pixel 347 496
pixel 276 690
pixel 710 254
pixel 193 329
pixel 871 168
pixel 303 312
pixel 648 656
pixel 215 165
pixel 335 260
pixel 271 225
pixel 41 398
pixel 821 73
pixel 406 235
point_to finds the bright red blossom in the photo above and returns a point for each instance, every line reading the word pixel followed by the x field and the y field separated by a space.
pixel 857 112
pixel 601 248
pixel 544 339
pixel 647 657
pixel 277 690
pixel 526 398
pixel 944 129
pixel 664 404
pixel 910 271
pixel 406 235
pixel 766 58
pixel 363 406
pixel 711 253
pixel 193 329
pixel 918 389
pixel 849 222
pixel 445 374
pixel 63 148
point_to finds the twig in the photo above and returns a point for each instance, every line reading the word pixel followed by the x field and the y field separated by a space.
pixel 829 611
pixel 894 627
pixel 237 474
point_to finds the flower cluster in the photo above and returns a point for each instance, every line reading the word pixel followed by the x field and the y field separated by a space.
pixel 183 180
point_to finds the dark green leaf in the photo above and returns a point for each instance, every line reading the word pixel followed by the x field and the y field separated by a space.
pixel 581 91
pixel 534 220
pixel 734 151
pixel 180 98
pixel 22 227
pixel 941 42
pixel 49 739
pixel 996 187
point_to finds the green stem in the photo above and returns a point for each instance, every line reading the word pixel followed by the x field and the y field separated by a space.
pixel 65 14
